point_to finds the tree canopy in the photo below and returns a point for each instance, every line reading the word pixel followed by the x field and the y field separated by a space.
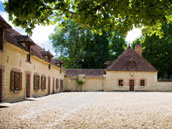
pixel 82 48
pixel 158 51
pixel 120 15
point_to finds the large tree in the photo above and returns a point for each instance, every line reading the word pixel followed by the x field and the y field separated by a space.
pixel 119 15
pixel 158 51
pixel 82 48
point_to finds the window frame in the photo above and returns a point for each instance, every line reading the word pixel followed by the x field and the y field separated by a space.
pixel 36 83
pixel 61 84
pixel 132 65
pixel 15 81
pixel 43 82
pixel 120 82
pixel 144 82
pixel 57 83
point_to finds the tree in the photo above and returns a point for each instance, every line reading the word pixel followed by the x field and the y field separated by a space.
pixel 82 48
pixel 121 15
pixel 79 83
pixel 158 51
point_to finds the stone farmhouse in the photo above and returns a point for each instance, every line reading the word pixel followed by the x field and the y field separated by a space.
pixel 27 70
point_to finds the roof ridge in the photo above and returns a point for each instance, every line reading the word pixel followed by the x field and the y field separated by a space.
pixel 121 63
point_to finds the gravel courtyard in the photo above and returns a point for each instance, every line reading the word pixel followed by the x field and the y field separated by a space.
pixel 91 110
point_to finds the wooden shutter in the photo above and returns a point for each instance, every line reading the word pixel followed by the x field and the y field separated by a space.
pixel 44 82
pixel 56 84
pixel 38 82
pixel 61 84
pixel 34 81
pixel 20 88
pixel 12 81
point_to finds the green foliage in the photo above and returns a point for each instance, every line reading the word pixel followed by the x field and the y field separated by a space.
pixel 121 15
pixel 159 51
pixel 80 82
pixel 82 48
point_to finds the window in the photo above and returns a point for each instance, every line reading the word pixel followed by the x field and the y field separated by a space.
pixel 16 81
pixel 1 39
pixel 28 57
pixel 57 83
pixel 43 82
pixel 131 65
pixel 120 83
pixel 36 82
pixel 61 84
pixel 142 82
pixel 49 66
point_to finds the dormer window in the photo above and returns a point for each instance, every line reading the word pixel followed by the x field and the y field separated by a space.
pixel 58 63
pixel 28 57
pixel 49 66
pixel 26 42
pixel 131 64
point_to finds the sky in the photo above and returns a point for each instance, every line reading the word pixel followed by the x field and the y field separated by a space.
pixel 41 33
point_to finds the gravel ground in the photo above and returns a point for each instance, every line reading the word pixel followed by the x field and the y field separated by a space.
pixel 117 110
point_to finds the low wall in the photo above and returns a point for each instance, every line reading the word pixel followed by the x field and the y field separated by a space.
pixel 91 84
pixel 164 85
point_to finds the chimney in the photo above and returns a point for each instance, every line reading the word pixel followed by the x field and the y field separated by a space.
pixel 139 49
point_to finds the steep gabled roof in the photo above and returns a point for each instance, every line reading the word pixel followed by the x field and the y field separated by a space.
pixel 86 72
pixel 122 62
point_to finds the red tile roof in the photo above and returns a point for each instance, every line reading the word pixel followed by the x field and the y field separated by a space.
pixel 86 72
pixel 130 55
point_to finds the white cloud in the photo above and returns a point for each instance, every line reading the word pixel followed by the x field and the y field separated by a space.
pixel 2 1
pixel 133 34
pixel 40 37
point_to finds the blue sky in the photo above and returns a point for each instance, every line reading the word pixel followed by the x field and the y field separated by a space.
pixel 1 6
pixel 41 33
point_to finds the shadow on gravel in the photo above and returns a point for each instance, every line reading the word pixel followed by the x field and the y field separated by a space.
pixel 3 106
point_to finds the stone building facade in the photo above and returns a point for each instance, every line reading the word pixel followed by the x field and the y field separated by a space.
pixel 129 72
pixel 27 70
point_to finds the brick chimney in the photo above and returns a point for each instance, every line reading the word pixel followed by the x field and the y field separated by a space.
pixel 139 49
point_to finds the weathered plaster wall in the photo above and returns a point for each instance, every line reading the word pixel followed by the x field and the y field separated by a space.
pixel 112 77
pixel 13 57
pixel 91 83
pixel 164 86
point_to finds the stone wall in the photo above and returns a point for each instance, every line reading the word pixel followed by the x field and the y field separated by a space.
pixel 112 78
pixel 14 58
pixel 91 83
pixel 164 85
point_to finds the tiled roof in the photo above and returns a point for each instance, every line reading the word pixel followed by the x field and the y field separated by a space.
pixel 15 38
pixel 3 23
pixel 86 72
pixel 129 55
pixel 23 38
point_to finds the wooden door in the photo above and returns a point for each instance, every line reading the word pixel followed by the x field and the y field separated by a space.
pixel 131 84
pixel 27 85
pixel 49 85
pixel 0 85
pixel 53 86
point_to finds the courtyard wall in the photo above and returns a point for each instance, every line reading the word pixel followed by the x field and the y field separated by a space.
pixel 92 83
pixel 164 85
